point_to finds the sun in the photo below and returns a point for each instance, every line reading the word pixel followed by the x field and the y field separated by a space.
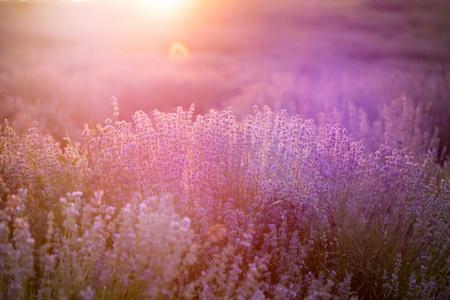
pixel 164 6
pixel 167 4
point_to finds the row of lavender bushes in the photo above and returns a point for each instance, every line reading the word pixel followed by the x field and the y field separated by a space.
pixel 216 208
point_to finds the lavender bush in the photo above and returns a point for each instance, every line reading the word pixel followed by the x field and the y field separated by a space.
pixel 216 208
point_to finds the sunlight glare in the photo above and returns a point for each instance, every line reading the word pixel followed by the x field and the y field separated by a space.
pixel 163 6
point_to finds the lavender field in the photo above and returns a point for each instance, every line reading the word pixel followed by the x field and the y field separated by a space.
pixel 224 150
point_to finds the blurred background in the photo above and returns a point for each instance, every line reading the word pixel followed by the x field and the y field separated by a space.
pixel 61 61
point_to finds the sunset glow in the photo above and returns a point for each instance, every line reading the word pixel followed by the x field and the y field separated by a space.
pixel 163 7
pixel 224 149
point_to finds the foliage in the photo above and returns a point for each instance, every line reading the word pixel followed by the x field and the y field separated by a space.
pixel 267 207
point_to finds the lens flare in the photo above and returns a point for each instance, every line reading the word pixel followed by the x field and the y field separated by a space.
pixel 178 52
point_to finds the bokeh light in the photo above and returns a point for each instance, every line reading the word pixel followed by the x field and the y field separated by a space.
pixel 178 52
